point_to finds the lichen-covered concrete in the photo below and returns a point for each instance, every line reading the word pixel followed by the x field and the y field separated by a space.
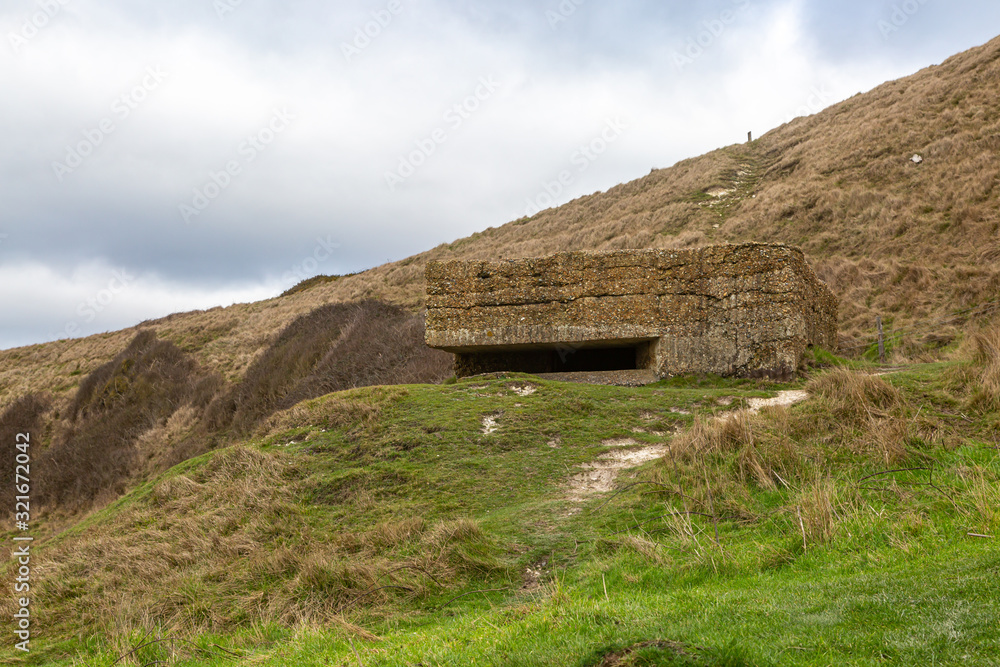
pixel 747 310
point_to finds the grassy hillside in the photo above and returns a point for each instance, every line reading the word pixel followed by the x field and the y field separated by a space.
pixel 238 486
pixel 157 402
pixel 912 243
pixel 462 524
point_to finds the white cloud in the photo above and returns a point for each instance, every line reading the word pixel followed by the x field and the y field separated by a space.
pixel 43 304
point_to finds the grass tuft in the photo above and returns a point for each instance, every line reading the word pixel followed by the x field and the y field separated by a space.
pixel 983 351
pixel 855 396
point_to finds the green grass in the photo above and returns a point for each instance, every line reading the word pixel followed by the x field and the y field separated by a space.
pixel 817 357
pixel 817 562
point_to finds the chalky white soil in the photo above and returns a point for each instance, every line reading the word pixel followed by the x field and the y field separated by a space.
pixel 599 476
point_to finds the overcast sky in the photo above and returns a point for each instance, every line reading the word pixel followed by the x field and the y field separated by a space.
pixel 167 156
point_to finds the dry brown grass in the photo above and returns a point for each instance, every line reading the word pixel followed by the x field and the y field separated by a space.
pixel 712 435
pixel 984 493
pixel 230 545
pixel 816 453
pixel 772 458
pixel 854 396
pixel 982 349
pixel 765 453
pixel 853 421
pixel 645 547
pixel 379 345
pixel 868 414
pixel 820 505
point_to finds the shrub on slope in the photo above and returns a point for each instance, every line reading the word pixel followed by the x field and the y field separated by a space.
pixel 114 406
pixel 334 347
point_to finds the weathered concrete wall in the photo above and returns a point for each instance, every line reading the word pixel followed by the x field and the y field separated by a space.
pixel 747 310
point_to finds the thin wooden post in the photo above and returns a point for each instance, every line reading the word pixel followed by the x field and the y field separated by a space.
pixel 881 340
